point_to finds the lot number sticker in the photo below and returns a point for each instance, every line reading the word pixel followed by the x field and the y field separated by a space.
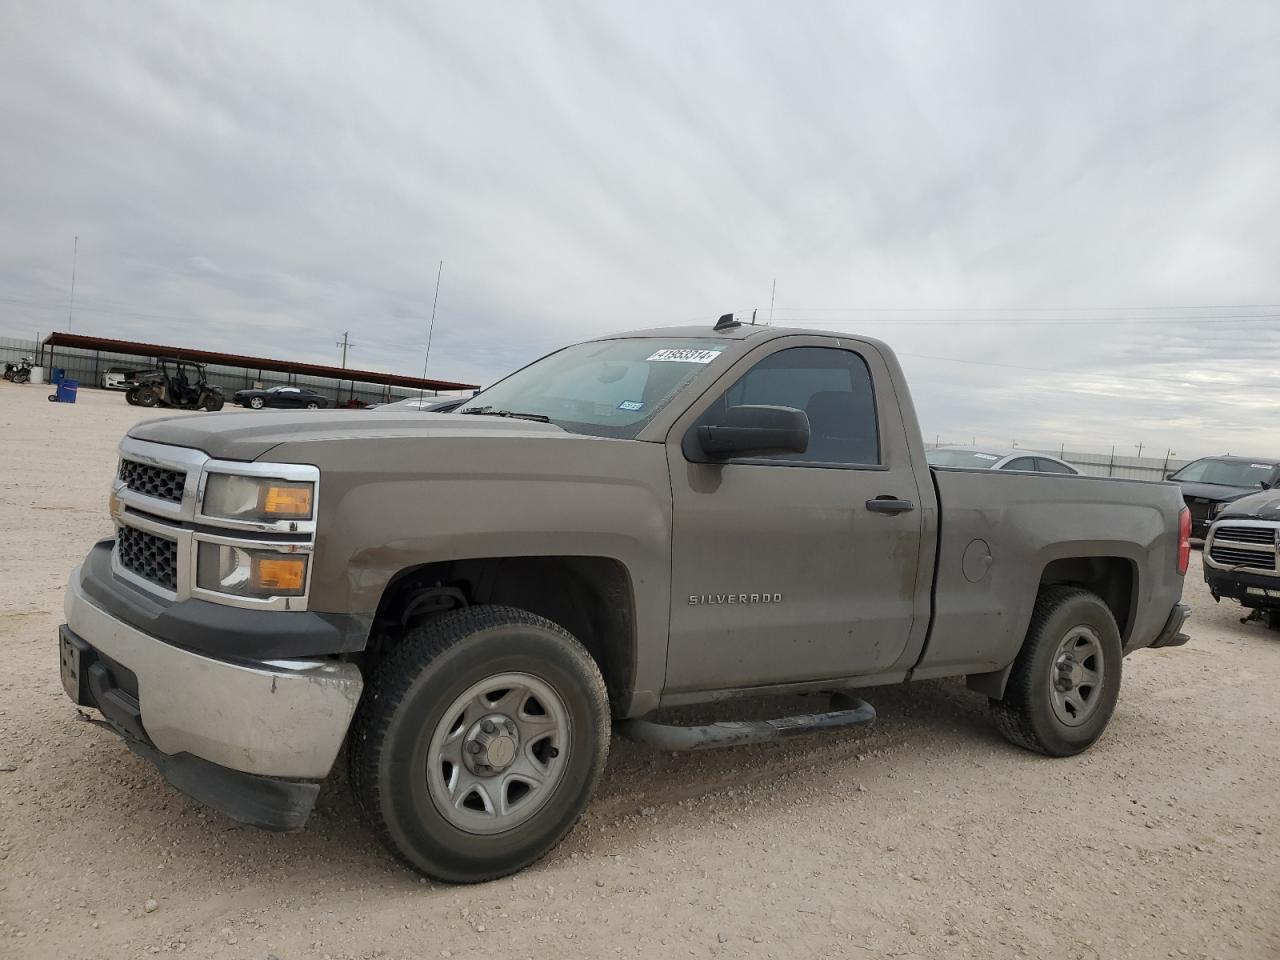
pixel 686 355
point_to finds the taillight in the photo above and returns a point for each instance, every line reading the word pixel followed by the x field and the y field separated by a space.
pixel 1184 540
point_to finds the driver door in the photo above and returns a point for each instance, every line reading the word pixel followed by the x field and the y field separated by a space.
pixel 781 571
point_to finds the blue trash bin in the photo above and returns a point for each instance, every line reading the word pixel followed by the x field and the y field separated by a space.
pixel 58 374
pixel 67 390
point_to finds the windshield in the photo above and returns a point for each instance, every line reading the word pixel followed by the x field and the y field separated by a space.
pixel 1226 473
pixel 961 458
pixel 607 388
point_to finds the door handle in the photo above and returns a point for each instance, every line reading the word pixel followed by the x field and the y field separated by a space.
pixel 888 504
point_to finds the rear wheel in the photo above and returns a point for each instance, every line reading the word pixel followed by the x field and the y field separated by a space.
pixel 478 743
pixel 1066 679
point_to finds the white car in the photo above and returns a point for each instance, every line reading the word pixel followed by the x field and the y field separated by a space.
pixel 996 459
pixel 116 377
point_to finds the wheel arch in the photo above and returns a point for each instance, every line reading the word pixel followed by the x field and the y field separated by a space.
pixel 1113 579
pixel 590 596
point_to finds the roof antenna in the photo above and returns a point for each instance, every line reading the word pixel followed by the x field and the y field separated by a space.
pixel 753 316
pixel 727 322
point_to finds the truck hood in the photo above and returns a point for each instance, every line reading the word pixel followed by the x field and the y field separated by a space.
pixel 1263 505
pixel 1214 492
pixel 249 436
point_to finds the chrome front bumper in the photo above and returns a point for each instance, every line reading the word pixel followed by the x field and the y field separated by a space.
pixel 276 718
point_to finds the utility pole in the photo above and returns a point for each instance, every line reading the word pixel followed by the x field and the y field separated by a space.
pixel 75 254
pixel 773 293
pixel 344 343
pixel 1139 451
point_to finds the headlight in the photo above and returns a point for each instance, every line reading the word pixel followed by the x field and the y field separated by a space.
pixel 245 572
pixel 256 498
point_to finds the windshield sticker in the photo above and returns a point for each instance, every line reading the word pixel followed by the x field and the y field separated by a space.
pixel 985 456
pixel 632 405
pixel 686 355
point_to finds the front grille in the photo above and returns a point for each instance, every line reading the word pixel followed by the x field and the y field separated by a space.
pixel 151 481
pixel 149 556
pixel 1264 535
pixel 1235 557
pixel 1199 510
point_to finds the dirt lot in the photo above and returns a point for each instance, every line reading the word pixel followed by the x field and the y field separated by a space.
pixel 922 836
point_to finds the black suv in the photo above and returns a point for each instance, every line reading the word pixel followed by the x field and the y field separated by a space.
pixel 1210 483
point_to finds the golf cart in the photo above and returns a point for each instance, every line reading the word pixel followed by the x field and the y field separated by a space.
pixel 180 384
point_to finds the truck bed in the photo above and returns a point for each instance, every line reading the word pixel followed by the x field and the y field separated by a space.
pixel 1038 526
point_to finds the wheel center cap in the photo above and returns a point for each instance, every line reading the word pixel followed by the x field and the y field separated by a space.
pixel 492 745
pixel 500 752
pixel 1070 673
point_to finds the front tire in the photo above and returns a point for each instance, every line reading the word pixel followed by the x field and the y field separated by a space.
pixel 257 403
pixel 1066 679
pixel 146 397
pixel 478 743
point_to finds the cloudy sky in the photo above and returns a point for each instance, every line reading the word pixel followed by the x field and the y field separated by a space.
pixel 1065 217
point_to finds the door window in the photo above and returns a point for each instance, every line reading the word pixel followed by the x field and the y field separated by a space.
pixel 1022 463
pixel 1045 465
pixel 832 386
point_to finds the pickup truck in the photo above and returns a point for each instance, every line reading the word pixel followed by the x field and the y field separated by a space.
pixel 471 602
pixel 1240 554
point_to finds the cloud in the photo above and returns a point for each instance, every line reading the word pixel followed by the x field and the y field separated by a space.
pixel 264 177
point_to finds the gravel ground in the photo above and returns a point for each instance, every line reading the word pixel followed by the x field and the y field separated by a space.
pixel 924 835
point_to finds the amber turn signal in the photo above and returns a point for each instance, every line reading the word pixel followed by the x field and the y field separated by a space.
pixel 284 574
pixel 287 501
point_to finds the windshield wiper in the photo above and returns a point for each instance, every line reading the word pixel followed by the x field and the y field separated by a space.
pixel 513 414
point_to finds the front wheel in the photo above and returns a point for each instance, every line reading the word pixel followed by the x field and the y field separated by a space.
pixel 478 743
pixel 312 405
pixel 212 402
pixel 146 397
pixel 257 403
pixel 1066 679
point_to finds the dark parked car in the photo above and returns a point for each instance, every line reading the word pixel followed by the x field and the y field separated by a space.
pixel 1209 484
pixel 997 459
pixel 290 398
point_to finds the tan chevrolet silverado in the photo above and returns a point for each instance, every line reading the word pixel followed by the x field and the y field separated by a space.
pixel 470 602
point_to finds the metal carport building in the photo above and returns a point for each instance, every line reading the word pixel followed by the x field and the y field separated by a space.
pixel 87 358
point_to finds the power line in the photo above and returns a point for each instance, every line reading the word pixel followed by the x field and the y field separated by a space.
pixel 1065 321
pixel 1179 382
pixel 1203 306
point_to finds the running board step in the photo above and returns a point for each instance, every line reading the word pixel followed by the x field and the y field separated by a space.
pixel 735 733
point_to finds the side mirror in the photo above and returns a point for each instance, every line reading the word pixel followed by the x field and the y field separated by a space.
pixel 748 431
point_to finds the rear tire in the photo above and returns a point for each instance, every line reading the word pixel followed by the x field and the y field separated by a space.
pixel 1066 679
pixel 444 796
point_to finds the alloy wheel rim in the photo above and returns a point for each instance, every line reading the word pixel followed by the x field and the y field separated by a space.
pixel 498 753
pixel 1076 677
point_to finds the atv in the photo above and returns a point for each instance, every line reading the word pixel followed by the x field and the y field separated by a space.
pixel 180 384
